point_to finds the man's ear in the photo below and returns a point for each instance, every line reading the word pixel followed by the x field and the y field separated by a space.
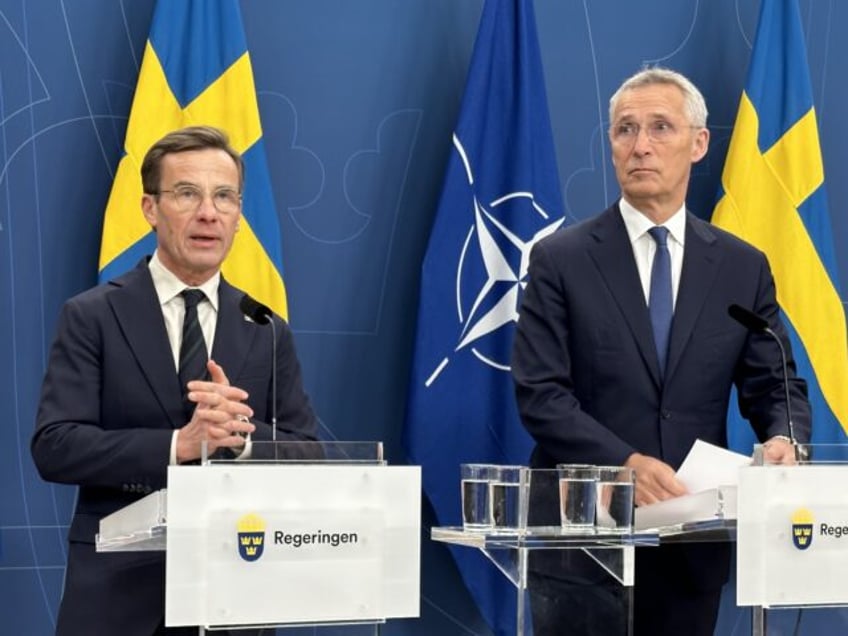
pixel 148 208
pixel 701 144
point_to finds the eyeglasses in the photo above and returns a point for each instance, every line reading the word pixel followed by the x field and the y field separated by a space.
pixel 659 131
pixel 188 199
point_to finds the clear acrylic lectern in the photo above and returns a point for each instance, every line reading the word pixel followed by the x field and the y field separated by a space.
pixel 539 535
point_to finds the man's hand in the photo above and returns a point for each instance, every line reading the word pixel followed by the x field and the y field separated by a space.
pixel 655 480
pixel 220 417
pixel 778 450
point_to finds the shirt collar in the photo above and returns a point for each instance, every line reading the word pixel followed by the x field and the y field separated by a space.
pixel 637 224
pixel 168 286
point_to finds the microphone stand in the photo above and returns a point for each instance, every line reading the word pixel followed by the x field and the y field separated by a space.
pixel 274 384
pixel 261 315
pixel 800 453
pixel 758 324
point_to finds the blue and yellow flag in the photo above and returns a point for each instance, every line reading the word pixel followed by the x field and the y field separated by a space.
pixel 196 71
pixel 773 196
pixel 500 195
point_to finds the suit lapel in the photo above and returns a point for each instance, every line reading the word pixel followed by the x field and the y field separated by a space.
pixel 613 255
pixel 139 317
pixel 234 334
pixel 700 267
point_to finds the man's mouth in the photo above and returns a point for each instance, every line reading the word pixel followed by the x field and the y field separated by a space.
pixel 204 239
pixel 641 170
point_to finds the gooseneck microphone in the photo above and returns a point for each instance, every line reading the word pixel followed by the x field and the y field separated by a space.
pixel 758 324
pixel 262 315
pixel 256 311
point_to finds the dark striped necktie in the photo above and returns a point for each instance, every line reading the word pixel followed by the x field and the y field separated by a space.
pixel 660 302
pixel 193 354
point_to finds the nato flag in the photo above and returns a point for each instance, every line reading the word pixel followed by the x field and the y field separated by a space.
pixel 501 193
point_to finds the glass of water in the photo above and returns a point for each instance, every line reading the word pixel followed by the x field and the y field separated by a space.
pixel 577 497
pixel 490 497
pixel 614 500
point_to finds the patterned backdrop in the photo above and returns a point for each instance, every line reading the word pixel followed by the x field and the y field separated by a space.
pixel 358 101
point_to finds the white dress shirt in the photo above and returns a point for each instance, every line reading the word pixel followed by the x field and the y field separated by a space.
pixel 644 246
pixel 168 288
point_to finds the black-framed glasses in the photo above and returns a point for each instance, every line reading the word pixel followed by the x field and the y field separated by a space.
pixel 660 131
pixel 189 198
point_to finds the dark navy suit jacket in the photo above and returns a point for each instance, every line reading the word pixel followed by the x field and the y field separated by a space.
pixel 110 402
pixel 588 382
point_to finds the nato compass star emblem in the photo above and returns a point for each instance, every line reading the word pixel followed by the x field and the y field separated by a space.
pixel 491 271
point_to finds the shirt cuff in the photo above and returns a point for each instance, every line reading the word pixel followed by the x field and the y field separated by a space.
pixel 172 459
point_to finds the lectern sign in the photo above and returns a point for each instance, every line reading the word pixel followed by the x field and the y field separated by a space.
pixel 292 544
pixel 792 535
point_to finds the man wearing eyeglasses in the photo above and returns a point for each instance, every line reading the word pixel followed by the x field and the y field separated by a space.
pixel 625 355
pixel 130 388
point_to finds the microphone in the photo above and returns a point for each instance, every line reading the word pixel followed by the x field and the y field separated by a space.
pixel 262 315
pixel 751 320
pixel 256 311
pixel 758 324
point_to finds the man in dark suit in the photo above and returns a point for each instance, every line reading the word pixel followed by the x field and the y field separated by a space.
pixel 625 355
pixel 114 413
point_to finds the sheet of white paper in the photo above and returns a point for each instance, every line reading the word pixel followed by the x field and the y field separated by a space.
pixel 709 466
pixel 714 503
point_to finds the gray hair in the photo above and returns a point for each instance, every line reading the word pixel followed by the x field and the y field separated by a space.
pixel 696 107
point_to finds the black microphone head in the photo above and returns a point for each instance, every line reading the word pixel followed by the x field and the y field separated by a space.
pixel 256 311
pixel 747 318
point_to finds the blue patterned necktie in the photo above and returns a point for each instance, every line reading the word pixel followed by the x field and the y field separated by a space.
pixel 660 301
pixel 193 355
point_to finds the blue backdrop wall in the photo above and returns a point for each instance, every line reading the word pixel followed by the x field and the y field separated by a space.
pixel 358 101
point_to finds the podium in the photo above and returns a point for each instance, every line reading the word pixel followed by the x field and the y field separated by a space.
pixel 538 541
pixel 793 533
pixel 609 556
pixel 320 534
pixel 510 552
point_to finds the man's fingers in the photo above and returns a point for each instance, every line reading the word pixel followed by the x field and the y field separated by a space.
pixel 779 454
pixel 670 484
pixel 232 428
pixel 655 480
pixel 216 373
pixel 232 393
pixel 219 412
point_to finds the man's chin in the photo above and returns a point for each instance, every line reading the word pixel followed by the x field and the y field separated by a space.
pixel 640 191
pixel 205 263
pixel 640 176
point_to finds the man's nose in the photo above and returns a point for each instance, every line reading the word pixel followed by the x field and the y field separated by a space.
pixel 207 210
pixel 642 144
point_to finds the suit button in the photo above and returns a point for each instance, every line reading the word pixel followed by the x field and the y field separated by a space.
pixel 125 488
pixel 666 415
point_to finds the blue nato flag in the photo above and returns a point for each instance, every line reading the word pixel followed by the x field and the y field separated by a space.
pixel 500 195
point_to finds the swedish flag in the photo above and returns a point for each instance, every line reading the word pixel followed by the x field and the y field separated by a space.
pixel 196 70
pixel 773 196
